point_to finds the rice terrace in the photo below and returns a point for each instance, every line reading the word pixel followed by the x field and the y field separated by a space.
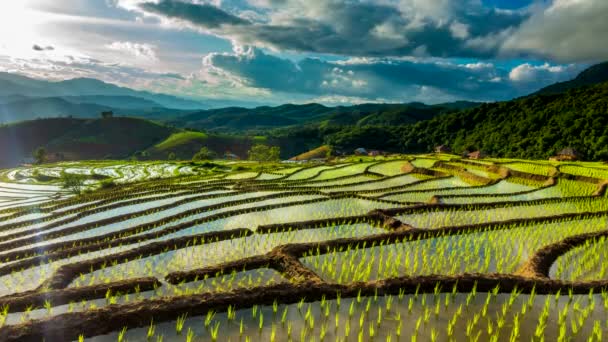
pixel 401 248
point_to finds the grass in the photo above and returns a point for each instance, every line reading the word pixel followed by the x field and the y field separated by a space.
pixel 180 138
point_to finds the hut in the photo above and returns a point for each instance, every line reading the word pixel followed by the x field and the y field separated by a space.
pixel 374 153
pixel 442 149
pixel 568 153
pixel 361 151
pixel 231 156
pixel 477 155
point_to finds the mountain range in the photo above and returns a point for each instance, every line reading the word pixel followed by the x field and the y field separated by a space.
pixel 573 113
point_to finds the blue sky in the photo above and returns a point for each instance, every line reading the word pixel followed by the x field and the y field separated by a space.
pixel 329 51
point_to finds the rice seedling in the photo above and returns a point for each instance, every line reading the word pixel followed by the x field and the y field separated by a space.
pixel 324 216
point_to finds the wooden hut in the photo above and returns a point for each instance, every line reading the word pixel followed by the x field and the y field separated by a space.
pixel 477 155
pixel 568 153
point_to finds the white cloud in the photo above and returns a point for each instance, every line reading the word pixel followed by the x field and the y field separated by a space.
pixel 459 30
pixel 139 50
pixel 530 73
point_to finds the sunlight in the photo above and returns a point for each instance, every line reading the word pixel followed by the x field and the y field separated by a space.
pixel 19 28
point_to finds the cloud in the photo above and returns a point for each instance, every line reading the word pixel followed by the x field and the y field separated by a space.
pixel 528 76
pixel 550 29
pixel 66 67
pixel 352 28
pixel 139 50
pixel 379 79
pixel 37 47
pixel 206 15
pixel 566 30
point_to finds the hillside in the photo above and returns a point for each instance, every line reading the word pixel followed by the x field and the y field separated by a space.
pixel 593 75
pixel 75 139
pixel 243 119
pixel 184 144
pixel 533 127
pixel 317 153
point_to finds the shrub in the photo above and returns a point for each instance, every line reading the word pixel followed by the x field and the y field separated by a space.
pixel 72 182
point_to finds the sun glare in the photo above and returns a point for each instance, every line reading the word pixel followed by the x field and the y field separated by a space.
pixel 19 28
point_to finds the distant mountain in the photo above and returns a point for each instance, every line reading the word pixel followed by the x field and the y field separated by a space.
pixel 46 107
pixel 595 74
pixel 266 117
pixel 28 108
pixel 124 102
pixel 14 84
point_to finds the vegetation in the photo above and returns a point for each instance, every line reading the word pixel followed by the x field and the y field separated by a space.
pixel 264 153
pixel 40 155
pixel 203 154
pixel 317 153
pixel 74 182
pixel 180 138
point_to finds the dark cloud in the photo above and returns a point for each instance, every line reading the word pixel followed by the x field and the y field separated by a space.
pixel 205 15
pixel 354 28
pixel 567 30
pixel 390 79
pixel 37 47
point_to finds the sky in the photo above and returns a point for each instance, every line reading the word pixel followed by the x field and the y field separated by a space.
pixel 297 51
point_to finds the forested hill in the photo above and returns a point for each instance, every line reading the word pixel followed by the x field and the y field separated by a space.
pixel 237 119
pixel 531 127
pixel 595 74
pixel 534 127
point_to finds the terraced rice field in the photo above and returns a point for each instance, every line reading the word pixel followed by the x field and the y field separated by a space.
pixel 403 249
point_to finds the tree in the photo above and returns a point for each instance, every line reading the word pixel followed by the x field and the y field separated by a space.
pixel 72 182
pixel 203 154
pixel 40 155
pixel 171 156
pixel 261 152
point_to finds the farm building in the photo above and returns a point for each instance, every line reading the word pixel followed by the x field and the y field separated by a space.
pixel 231 156
pixel 361 151
pixel 374 153
pixel 568 153
pixel 477 155
pixel 442 149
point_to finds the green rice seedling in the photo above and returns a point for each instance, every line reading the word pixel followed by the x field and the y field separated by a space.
pixel 151 330
pixel 215 330
pixel 190 335
pixel 121 334
pixel 179 324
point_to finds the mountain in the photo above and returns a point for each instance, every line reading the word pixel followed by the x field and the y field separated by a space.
pixel 534 127
pixel 266 117
pixel 124 102
pixel 48 107
pixel 595 74
pixel 15 84
pixel 32 108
